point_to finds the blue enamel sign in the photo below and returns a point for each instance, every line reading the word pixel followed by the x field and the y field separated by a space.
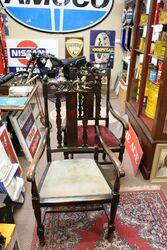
pixel 58 15
pixel 102 46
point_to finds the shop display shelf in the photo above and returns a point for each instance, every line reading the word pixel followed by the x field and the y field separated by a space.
pixel 150 131
pixel 139 51
pixel 158 57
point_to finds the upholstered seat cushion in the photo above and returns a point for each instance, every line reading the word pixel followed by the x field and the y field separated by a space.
pixel 107 135
pixel 74 180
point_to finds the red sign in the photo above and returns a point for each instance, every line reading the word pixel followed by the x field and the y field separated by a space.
pixel 133 148
pixel 8 146
pixel 26 44
pixel 3 51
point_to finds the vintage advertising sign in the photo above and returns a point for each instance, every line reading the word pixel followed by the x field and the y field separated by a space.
pixel 133 148
pixel 17 49
pixel 74 46
pixel 102 44
pixel 7 144
pixel 58 15
pixel 27 131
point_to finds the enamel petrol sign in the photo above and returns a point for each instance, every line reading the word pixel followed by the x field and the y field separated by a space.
pixel 74 46
pixel 18 48
pixel 102 47
pixel 58 15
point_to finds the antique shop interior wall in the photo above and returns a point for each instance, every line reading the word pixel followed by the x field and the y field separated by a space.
pixel 112 22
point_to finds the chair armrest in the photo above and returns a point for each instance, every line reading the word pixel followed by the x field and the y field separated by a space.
pixel 38 154
pixel 117 164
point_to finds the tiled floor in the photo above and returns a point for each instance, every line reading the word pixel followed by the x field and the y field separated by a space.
pixel 23 216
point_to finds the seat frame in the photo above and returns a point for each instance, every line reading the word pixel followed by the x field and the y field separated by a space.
pixel 37 202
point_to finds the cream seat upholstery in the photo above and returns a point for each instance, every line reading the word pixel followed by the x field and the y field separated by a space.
pixel 74 180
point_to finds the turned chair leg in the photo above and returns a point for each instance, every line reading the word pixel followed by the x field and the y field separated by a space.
pixel 111 223
pixel 66 155
pixel 40 227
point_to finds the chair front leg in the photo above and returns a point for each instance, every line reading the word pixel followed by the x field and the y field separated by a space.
pixel 121 153
pixel 66 155
pixel 37 213
pixel 111 223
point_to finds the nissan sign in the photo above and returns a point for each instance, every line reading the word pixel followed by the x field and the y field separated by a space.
pixel 58 16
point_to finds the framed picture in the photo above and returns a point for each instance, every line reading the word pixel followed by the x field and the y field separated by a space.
pixel 159 168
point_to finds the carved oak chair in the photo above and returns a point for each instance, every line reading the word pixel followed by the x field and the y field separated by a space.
pixel 75 182
pixel 105 110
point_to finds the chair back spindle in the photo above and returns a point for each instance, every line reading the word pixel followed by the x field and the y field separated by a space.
pixel 58 121
pixel 71 119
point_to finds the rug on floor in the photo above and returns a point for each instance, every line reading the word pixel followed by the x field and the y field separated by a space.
pixel 141 224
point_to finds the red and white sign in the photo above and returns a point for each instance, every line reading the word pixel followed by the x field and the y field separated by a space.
pixel 3 52
pixel 133 148
pixel 8 146
pixel 18 48
pixel 27 131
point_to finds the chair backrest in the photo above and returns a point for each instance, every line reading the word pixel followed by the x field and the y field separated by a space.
pixel 76 99
pixel 103 96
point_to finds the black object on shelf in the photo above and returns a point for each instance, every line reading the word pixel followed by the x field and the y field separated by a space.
pixel 6 213
pixel 2 241
pixel 14 138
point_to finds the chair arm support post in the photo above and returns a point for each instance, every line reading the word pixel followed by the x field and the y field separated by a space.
pixel 45 95
pixel 38 154
pixel 96 153
pixel 117 164
pixel 122 121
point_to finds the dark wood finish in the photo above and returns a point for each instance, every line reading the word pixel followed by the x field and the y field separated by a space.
pixel 150 131
pixel 148 122
pixel 161 112
pixel 71 114
pixel 146 59
pixel 134 43
pixel 92 103
pixel 85 120
pixel 58 121
pixel 70 92
pixel 4 89
pixel 147 143
pixel 90 98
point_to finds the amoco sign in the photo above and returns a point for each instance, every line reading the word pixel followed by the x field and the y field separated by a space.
pixel 58 15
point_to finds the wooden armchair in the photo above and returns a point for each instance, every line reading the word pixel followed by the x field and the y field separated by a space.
pixel 76 182
pixel 99 105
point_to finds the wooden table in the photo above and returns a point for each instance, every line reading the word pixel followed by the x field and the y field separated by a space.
pixel 19 107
